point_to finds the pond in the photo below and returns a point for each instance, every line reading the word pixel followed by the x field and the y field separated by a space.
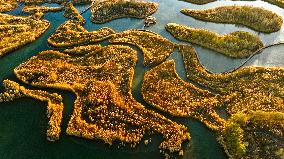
pixel 23 121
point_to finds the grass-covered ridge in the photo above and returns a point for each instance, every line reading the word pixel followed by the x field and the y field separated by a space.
pixel 17 31
pixel 154 47
pixel 256 18
pixel 107 10
pixel 237 44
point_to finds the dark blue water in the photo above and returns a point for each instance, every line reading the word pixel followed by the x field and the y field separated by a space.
pixel 23 122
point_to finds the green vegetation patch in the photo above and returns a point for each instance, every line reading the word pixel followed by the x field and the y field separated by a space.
pixel 107 10
pixel 154 47
pixel 255 135
pixel 237 44
pixel 255 18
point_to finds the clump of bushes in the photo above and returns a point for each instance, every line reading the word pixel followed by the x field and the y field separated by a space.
pixel 237 44
pixel 255 135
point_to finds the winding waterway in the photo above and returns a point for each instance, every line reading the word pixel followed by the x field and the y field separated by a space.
pixel 23 122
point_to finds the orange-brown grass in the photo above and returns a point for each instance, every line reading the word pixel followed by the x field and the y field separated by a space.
pixel 16 31
pixel 7 5
pixel 237 44
pixel 163 88
pixel 71 33
pixel 246 89
pixel 104 108
pixel 107 10
pixel 72 13
pixel 154 47
pixel 255 18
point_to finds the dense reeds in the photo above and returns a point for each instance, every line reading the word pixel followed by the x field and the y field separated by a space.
pixel 72 13
pixel 71 33
pixel 17 31
pixel 244 90
pixel 255 18
pixel 104 108
pixel 154 47
pixel 7 5
pixel 163 89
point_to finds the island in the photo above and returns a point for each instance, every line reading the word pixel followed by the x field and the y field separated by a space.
pixel 199 1
pixel 29 2
pixel 279 3
pixel 107 10
pixel 7 5
pixel 72 13
pixel 104 108
pixel 17 31
pixel 35 9
pixel 238 44
pixel 256 18
pixel 154 47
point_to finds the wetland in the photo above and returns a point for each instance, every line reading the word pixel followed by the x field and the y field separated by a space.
pixel 78 89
